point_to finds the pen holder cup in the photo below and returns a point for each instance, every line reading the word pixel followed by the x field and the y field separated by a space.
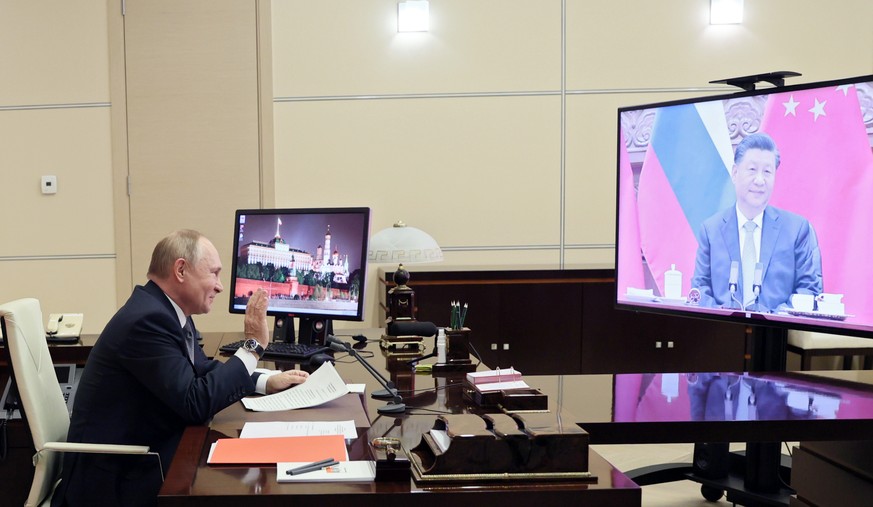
pixel 458 344
pixel 457 352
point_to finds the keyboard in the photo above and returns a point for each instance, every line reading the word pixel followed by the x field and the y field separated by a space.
pixel 280 350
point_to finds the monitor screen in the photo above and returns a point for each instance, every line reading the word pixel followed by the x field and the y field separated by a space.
pixel 311 262
pixel 754 207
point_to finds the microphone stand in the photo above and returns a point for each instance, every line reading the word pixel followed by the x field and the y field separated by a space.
pixel 390 390
pixel 733 290
pixel 396 406
pixel 756 286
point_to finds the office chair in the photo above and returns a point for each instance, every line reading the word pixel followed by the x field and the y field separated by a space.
pixel 42 401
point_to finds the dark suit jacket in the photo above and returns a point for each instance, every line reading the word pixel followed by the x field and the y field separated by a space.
pixel 789 253
pixel 139 387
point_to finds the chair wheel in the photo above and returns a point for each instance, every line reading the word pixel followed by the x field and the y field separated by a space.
pixel 710 493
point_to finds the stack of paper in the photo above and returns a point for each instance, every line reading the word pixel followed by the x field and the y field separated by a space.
pixel 502 386
pixel 491 376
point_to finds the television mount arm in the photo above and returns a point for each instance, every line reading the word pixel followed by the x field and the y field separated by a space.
pixel 748 83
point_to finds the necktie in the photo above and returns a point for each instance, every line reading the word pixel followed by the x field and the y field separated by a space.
pixel 189 338
pixel 750 258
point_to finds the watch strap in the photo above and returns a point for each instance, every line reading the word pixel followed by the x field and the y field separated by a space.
pixel 258 348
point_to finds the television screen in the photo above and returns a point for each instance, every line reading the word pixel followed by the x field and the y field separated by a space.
pixel 755 207
pixel 311 262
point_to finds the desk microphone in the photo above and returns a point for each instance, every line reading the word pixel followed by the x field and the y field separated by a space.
pixel 396 406
pixel 390 390
pixel 411 328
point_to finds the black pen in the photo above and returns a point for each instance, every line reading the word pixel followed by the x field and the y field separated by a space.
pixel 311 467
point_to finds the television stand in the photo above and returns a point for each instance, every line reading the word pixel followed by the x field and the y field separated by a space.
pixel 733 485
pixel 758 476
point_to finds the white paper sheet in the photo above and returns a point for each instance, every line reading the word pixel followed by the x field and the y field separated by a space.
pixel 322 386
pixel 298 429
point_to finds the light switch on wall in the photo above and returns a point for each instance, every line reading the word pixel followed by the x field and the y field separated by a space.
pixel 49 184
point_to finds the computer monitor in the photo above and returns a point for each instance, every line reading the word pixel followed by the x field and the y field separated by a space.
pixel 312 263
pixel 691 172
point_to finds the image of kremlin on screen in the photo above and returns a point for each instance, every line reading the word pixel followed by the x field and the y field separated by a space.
pixel 297 279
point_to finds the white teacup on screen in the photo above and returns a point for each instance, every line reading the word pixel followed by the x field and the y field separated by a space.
pixel 803 302
pixel 831 308
pixel 830 298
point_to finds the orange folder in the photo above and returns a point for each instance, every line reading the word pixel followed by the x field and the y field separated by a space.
pixel 272 450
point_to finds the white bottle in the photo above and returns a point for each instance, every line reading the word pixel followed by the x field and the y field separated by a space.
pixel 441 346
pixel 673 283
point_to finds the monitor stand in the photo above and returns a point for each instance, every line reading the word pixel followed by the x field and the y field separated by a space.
pixel 312 330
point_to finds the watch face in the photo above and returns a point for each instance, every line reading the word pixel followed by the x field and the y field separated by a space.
pixel 251 345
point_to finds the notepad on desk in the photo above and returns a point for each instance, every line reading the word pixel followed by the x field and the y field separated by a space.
pixel 502 386
pixel 273 450
pixel 493 376
pixel 347 471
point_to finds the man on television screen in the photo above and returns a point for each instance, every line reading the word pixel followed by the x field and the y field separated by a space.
pixel 752 255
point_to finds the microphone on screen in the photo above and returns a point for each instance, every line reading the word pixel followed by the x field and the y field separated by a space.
pixel 734 277
pixel 757 279
pixel 733 283
pixel 396 405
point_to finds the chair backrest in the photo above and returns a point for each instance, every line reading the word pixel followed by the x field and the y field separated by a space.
pixel 41 397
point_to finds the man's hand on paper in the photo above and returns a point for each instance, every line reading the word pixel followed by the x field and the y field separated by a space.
pixel 281 381
pixel 256 318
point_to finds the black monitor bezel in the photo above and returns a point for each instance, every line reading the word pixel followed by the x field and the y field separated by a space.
pixel 360 312
pixel 750 318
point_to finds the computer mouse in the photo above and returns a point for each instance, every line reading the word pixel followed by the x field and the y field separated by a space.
pixel 320 359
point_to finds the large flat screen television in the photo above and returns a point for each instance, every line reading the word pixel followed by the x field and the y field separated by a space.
pixel 795 161
pixel 312 263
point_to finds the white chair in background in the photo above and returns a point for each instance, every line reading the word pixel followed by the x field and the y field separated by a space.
pixel 42 400
pixel 809 344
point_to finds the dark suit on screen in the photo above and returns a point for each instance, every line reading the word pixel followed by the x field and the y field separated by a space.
pixel 789 254
pixel 139 387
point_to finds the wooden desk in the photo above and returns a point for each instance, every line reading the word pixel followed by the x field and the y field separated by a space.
pixel 190 481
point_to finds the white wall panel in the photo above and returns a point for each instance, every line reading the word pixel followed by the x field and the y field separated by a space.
pixel 350 47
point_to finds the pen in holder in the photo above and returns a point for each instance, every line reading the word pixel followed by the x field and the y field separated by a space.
pixel 458 315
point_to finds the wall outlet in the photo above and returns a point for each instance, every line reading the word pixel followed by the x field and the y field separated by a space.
pixel 49 184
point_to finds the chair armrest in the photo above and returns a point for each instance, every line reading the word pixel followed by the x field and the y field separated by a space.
pixel 95 448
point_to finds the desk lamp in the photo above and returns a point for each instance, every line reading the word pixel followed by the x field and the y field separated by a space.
pixel 403 244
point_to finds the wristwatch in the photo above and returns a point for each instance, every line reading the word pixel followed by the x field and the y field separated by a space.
pixel 252 345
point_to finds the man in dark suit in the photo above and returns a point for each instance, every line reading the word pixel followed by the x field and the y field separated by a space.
pixel 146 379
pixel 782 243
